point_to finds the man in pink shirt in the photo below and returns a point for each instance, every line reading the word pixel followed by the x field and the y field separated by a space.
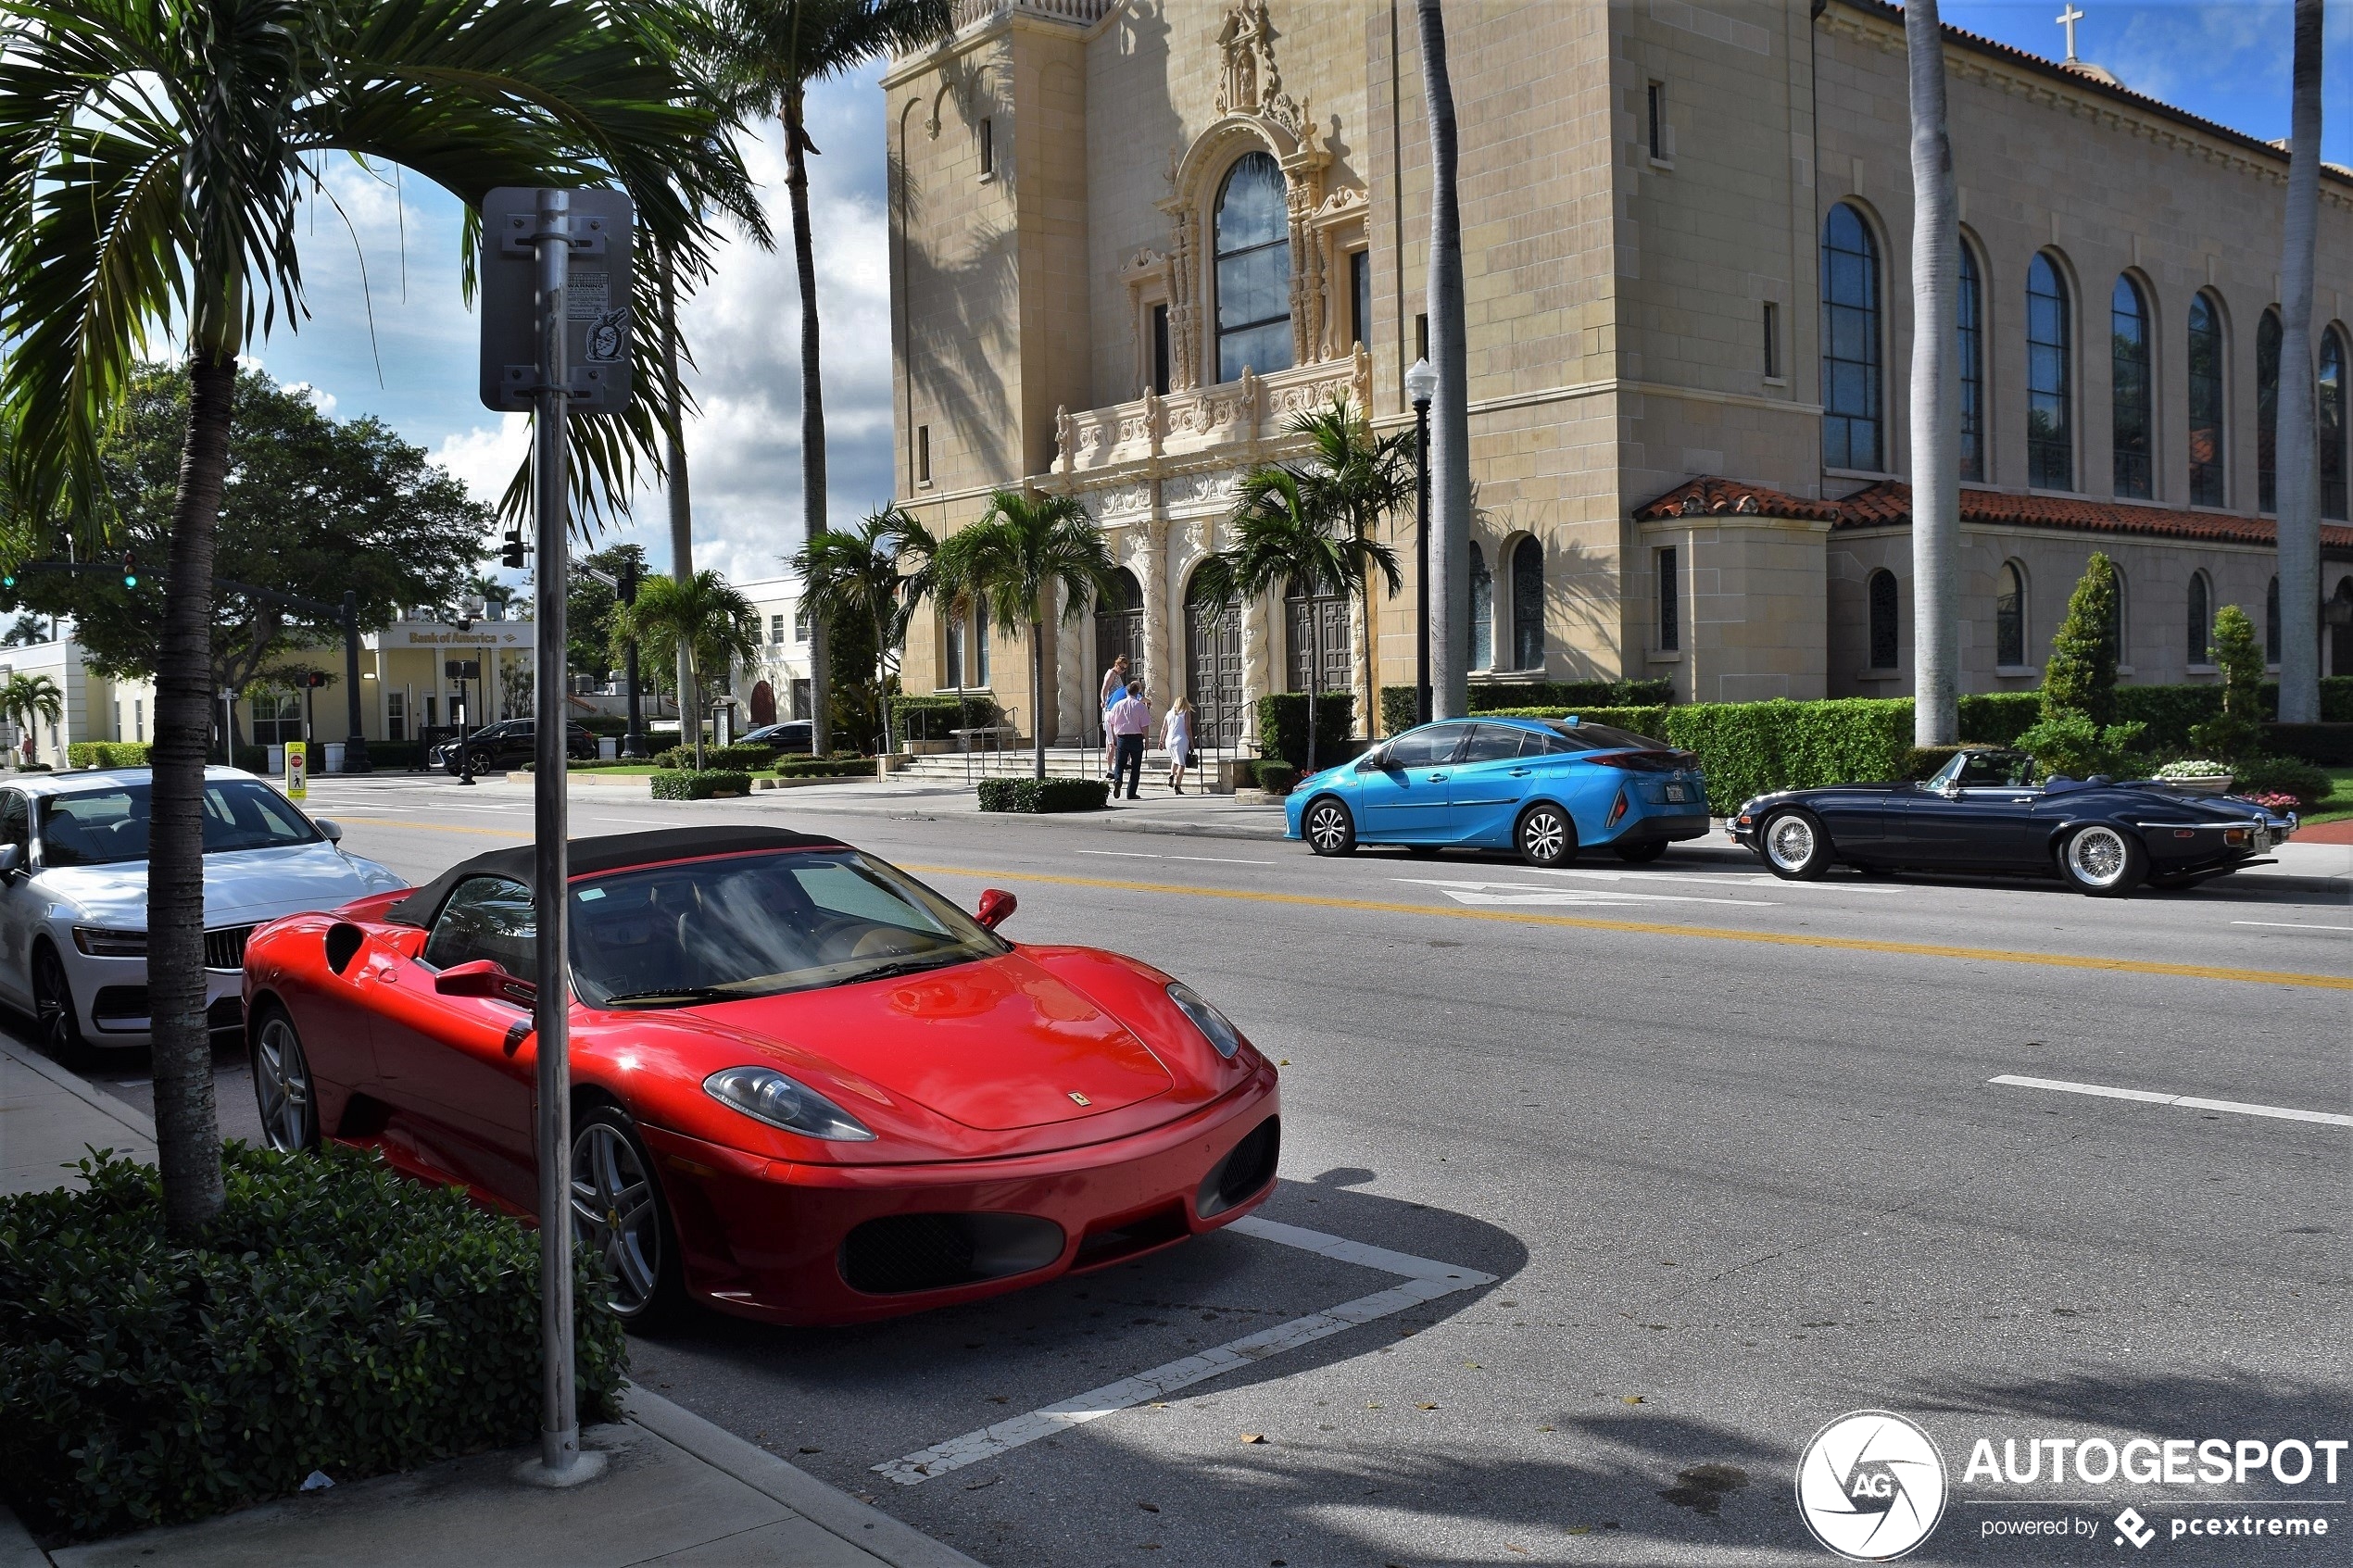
pixel 1129 721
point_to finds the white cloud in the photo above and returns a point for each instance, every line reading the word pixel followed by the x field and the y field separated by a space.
pixel 483 458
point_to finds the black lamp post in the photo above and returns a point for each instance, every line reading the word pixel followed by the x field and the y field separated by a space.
pixel 634 743
pixel 461 671
pixel 1421 385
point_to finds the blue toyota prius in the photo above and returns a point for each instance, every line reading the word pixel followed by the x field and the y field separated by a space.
pixel 1547 787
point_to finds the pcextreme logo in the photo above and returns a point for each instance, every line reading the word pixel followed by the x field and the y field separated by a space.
pixel 1871 1485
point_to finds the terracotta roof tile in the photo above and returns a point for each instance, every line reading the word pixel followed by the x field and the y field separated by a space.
pixel 1709 493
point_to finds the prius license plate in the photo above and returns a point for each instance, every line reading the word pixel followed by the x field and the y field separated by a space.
pixel 1675 791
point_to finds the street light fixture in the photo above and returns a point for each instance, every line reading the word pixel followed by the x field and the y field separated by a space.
pixel 624 590
pixel 1421 386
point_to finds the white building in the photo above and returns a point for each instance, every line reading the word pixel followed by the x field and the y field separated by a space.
pixel 775 685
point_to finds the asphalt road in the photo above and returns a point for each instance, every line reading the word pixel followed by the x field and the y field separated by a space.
pixel 1729 1148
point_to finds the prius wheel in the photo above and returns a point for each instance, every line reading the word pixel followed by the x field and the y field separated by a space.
pixel 1795 846
pixel 52 1009
pixel 2101 861
pixel 1641 854
pixel 1545 836
pixel 619 1218
pixel 1328 828
pixel 282 1089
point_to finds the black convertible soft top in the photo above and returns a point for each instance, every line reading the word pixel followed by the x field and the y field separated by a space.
pixel 592 856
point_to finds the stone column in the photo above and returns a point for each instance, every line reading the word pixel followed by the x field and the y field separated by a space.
pixel 1258 671
pixel 1070 671
pixel 1153 534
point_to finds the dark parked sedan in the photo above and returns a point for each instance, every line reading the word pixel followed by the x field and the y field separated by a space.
pixel 792 735
pixel 509 743
pixel 1985 812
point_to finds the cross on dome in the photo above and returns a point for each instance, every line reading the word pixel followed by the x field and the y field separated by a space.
pixel 2068 18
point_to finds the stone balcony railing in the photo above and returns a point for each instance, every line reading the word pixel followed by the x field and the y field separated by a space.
pixel 1084 12
pixel 1233 422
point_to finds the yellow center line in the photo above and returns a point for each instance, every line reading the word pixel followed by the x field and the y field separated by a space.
pixel 1650 928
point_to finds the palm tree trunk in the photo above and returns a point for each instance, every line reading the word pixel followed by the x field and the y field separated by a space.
pixel 1936 446
pixel 187 1121
pixel 1315 672
pixel 694 678
pixel 2299 482
pixel 812 409
pixel 681 509
pixel 1037 695
pixel 881 686
pixel 1450 419
pixel 1372 663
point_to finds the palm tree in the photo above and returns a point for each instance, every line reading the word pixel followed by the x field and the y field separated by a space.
pixel 29 698
pixel 702 623
pixel 1009 562
pixel 1361 478
pixel 861 576
pixel 154 157
pixel 1450 500
pixel 772 52
pixel 1285 535
pixel 1936 435
pixel 2299 490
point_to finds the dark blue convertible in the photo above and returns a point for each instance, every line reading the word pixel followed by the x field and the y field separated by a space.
pixel 1987 812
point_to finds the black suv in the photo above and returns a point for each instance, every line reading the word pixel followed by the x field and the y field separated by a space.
pixel 508 744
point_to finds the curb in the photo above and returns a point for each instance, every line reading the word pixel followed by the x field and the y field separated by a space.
pixel 105 1105
pixel 869 1529
pixel 17 1548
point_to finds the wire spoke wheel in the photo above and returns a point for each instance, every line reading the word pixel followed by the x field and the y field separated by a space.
pixel 1790 842
pixel 281 1087
pixel 614 1214
pixel 2102 860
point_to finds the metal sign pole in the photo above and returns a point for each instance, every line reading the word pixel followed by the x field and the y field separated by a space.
pixel 559 1414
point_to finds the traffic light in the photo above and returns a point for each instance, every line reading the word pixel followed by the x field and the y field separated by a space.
pixel 8 578
pixel 313 679
pixel 130 570
pixel 510 554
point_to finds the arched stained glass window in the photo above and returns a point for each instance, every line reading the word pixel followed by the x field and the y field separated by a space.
pixel 1969 317
pixel 2206 403
pixel 2201 620
pixel 1886 642
pixel 2050 382
pixel 2009 617
pixel 2267 412
pixel 2128 331
pixel 1253 269
pixel 2330 427
pixel 1850 343
pixel 1482 610
pixel 1527 605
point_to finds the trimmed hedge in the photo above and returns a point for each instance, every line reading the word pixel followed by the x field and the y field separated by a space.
pixel 1037 797
pixel 1748 748
pixel 2330 746
pixel 2282 776
pixel 685 784
pixel 108 753
pixel 827 768
pixel 1651 722
pixel 1276 778
pixel 1997 717
pixel 1490 697
pixel 1282 726
pixel 335 1317
pixel 740 757
pixel 933 716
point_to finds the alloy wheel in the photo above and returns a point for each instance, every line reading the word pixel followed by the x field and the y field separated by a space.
pixel 1543 836
pixel 613 1214
pixel 1328 827
pixel 53 1007
pixel 281 1087
pixel 2097 856
pixel 1788 842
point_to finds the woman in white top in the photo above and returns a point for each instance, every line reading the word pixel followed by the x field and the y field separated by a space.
pixel 1176 739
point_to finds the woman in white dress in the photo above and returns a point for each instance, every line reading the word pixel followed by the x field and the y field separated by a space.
pixel 1176 739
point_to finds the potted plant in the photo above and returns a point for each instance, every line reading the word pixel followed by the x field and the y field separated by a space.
pixel 2195 775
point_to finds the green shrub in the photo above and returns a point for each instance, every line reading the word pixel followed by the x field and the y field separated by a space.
pixel 936 716
pixel 335 1317
pixel 2331 746
pixel 2235 732
pixel 1037 796
pixel 2073 745
pixel 1998 717
pixel 1282 726
pixel 1276 778
pixel 2336 699
pixel 827 768
pixel 1925 761
pixel 1489 696
pixel 2080 674
pixel 603 723
pixel 1400 709
pixel 2281 776
pixel 685 784
pixel 1748 748
pixel 110 754
pixel 1651 722
pixel 740 757
pixel 2170 713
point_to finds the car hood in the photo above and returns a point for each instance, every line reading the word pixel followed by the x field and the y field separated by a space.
pixel 244 887
pixel 997 1044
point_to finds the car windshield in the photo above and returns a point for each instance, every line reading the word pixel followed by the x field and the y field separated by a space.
pixel 1988 770
pixel 754 925
pixel 102 827
pixel 1604 737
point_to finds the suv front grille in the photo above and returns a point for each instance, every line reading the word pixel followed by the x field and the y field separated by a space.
pixel 225 948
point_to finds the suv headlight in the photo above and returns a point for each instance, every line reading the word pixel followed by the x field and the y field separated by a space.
pixel 1213 1025
pixel 101 943
pixel 765 1095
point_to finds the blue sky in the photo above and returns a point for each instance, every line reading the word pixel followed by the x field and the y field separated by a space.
pixel 416 365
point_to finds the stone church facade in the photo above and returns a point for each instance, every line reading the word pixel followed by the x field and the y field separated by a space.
pixel 1132 238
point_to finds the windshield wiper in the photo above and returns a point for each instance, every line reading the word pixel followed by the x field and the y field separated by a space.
pixel 676 993
pixel 906 966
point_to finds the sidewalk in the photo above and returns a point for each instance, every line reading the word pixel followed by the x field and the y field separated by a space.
pixel 676 1489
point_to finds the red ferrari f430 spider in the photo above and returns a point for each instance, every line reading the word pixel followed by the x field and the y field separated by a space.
pixel 806 1088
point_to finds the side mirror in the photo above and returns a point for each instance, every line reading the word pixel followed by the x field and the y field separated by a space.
pixel 1374 760
pixel 997 907
pixel 484 977
pixel 329 829
pixel 11 859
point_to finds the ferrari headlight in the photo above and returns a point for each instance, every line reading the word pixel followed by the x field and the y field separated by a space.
pixel 765 1095
pixel 100 943
pixel 1208 1019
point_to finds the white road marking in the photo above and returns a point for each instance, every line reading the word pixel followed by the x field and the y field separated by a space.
pixel 1120 854
pixel 1220 860
pixel 2291 926
pixel 1425 1280
pixel 1575 898
pixel 2287 1113
pixel 1736 879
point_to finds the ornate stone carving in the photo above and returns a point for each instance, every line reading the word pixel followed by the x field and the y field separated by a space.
pixel 1247 43
pixel 1066 433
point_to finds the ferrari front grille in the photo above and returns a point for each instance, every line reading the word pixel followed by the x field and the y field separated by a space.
pixel 901 1254
pixel 1246 1169
pixel 225 948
